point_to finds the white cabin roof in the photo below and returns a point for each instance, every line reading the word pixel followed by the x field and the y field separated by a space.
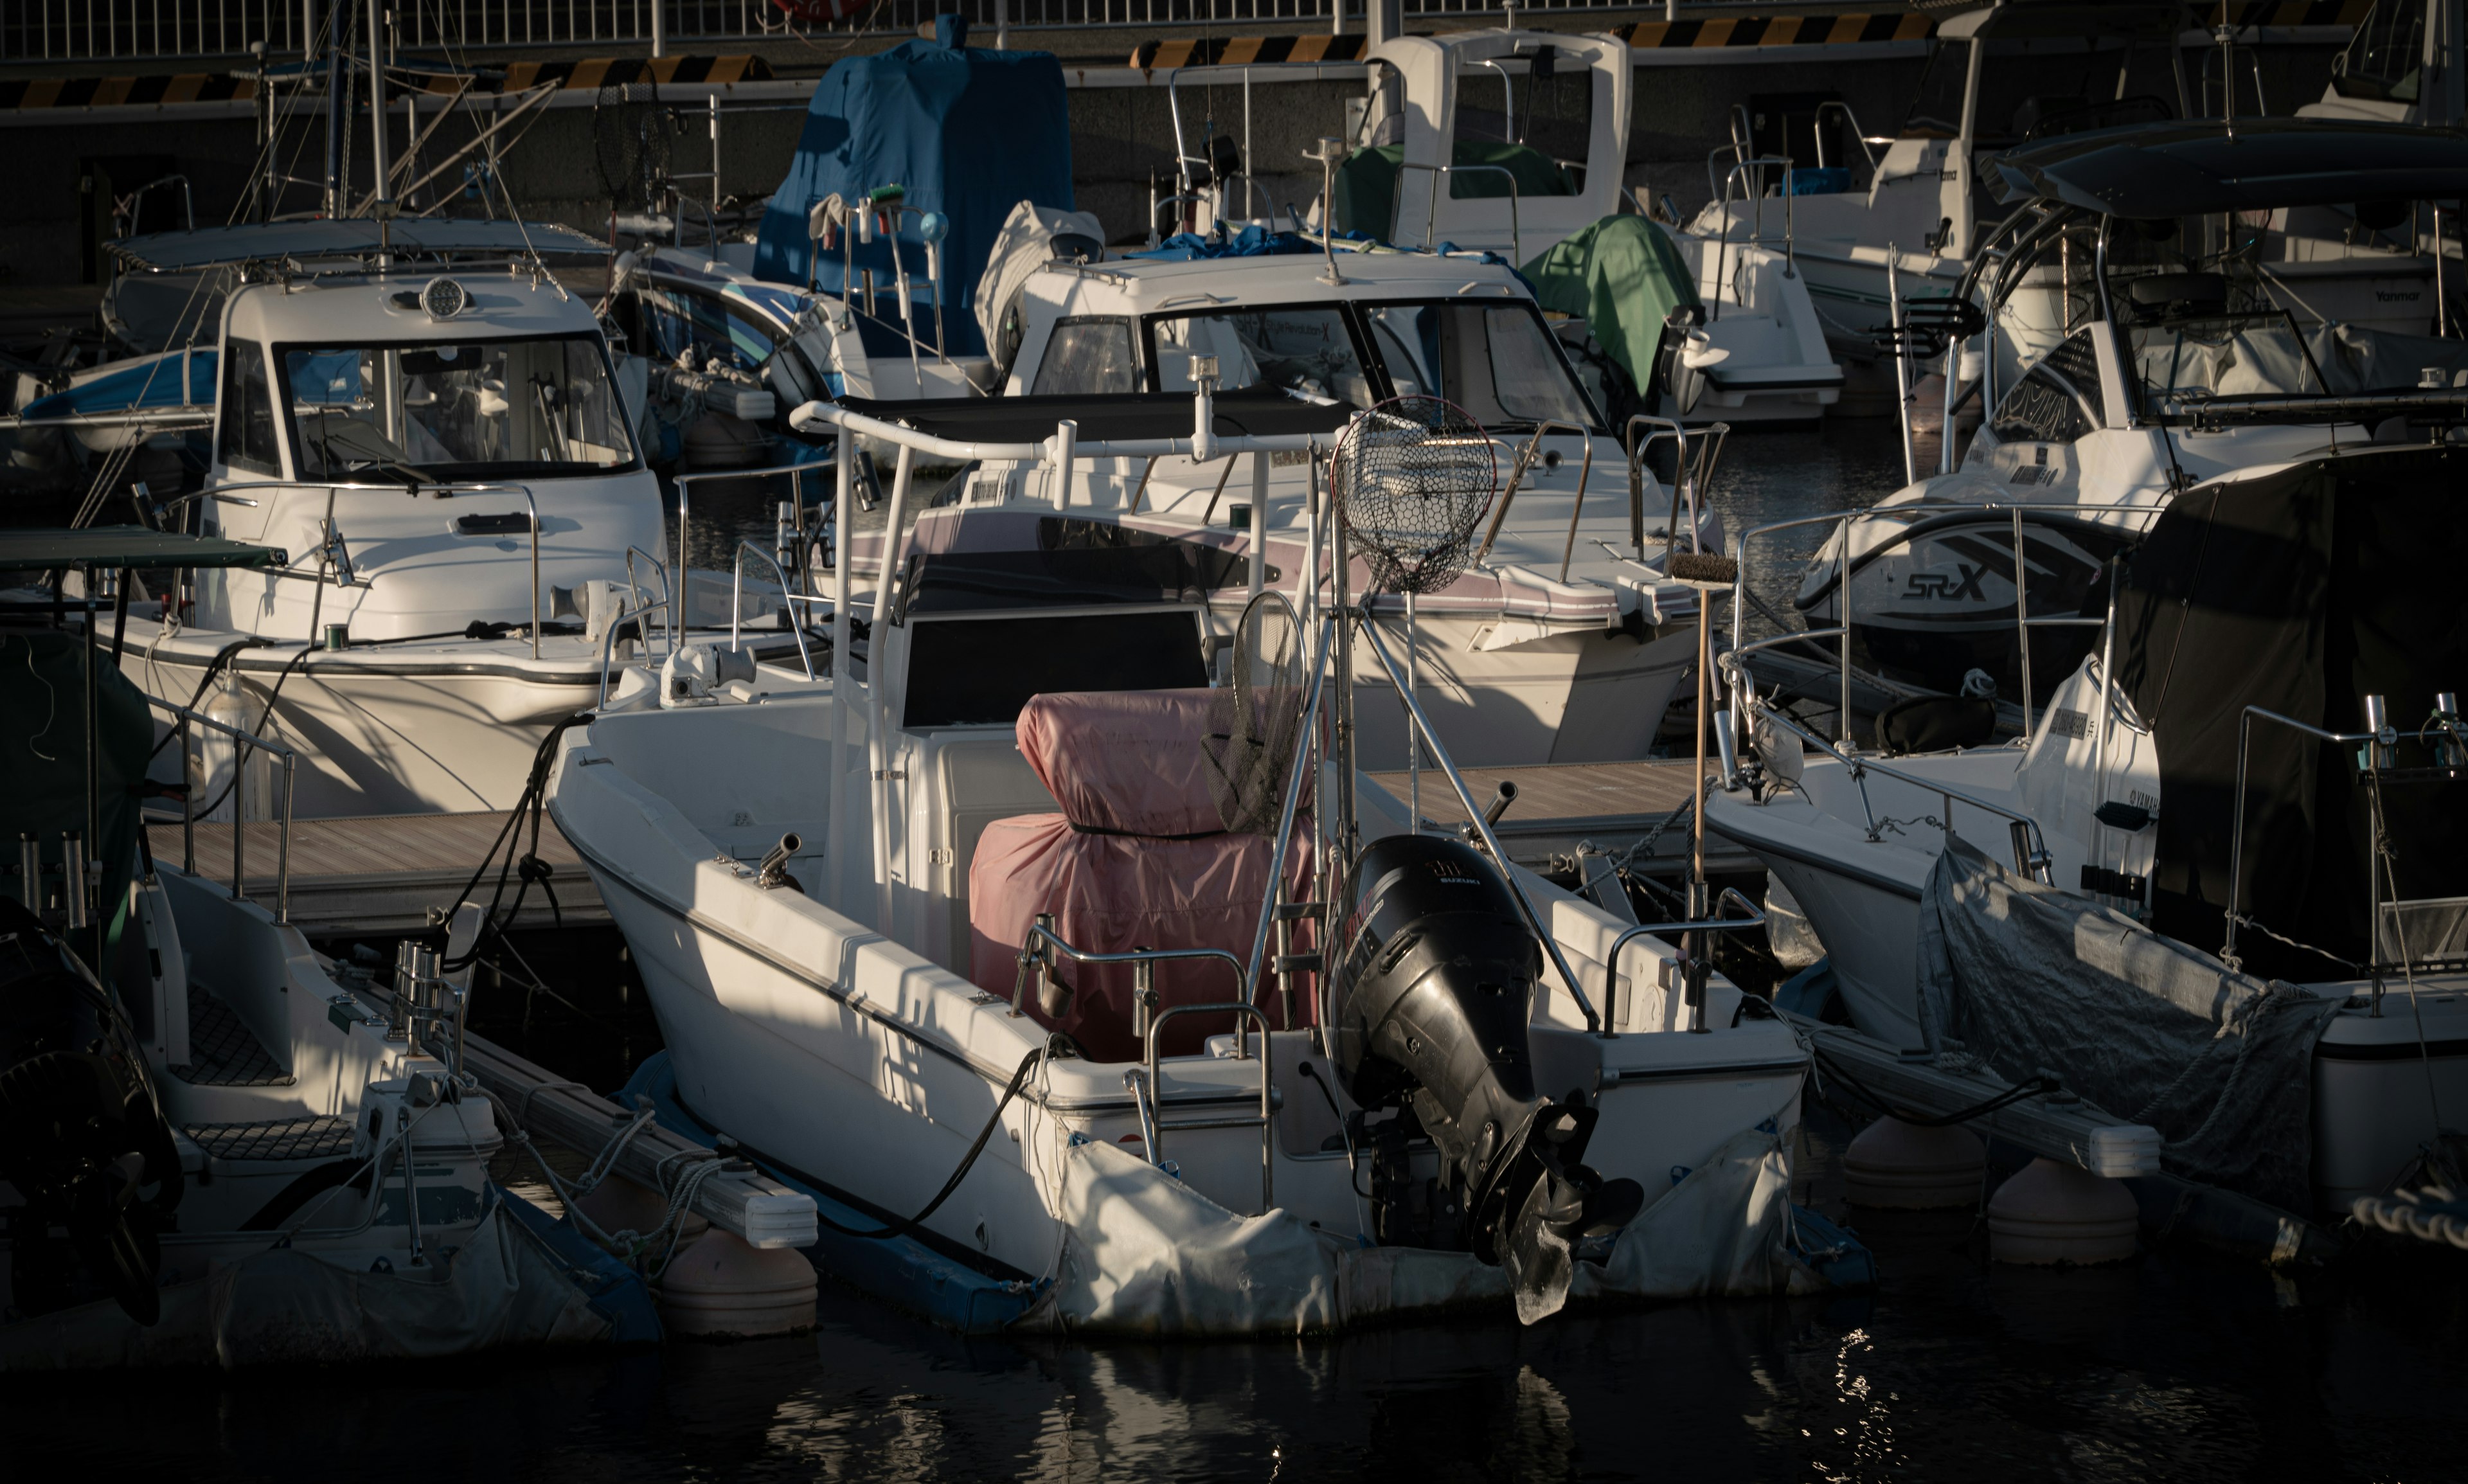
pixel 377 310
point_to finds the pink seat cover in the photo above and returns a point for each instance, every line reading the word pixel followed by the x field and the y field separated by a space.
pixel 1138 858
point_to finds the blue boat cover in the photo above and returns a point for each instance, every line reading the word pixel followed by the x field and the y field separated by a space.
pixel 1253 241
pixel 173 379
pixel 969 132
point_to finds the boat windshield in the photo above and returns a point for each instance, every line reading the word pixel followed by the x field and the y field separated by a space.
pixel 455 409
pixel 1303 349
pixel 1936 106
pixel 2255 354
pixel 1496 361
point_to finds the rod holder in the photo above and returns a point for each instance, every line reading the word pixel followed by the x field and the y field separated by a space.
pixel 773 872
pixel 29 874
pixel 406 984
pixel 2381 753
pixel 1502 798
pixel 72 883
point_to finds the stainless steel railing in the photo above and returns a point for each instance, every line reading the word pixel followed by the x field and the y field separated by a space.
pixel 1691 962
pixel 242 742
pixel 1843 523
pixel 2031 856
pixel 1147 1022
pixel 1440 187
pixel 682 595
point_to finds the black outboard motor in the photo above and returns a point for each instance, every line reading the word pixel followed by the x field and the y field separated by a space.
pixel 83 1136
pixel 1430 1006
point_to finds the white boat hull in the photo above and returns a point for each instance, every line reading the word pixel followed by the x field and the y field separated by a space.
pixel 868 1069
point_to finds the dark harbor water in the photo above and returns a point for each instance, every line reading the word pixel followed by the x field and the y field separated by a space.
pixel 2175 1367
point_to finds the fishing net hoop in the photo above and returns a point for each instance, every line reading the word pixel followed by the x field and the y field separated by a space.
pixel 1413 476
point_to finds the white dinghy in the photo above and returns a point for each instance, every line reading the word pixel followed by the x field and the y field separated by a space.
pixel 1145 1064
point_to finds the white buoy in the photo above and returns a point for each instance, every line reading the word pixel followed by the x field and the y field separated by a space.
pixel 619 1204
pixel 2060 1213
pixel 1908 1167
pixel 722 1285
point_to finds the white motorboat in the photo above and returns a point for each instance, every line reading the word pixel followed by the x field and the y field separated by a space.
pixel 1026 1028
pixel 2178 364
pixel 1914 230
pixel 227 1148
pixel 1433 163
pixel 2195 814
pixel 1929 204
pixel 1565 642
pixel 435 435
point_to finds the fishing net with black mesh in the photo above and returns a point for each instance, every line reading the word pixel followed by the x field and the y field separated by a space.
pixel 1255 717
pixel 1413 476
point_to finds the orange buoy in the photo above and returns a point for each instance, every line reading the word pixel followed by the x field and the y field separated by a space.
pixel 723 1286
pixel 2059 1213
pixel 1908 1167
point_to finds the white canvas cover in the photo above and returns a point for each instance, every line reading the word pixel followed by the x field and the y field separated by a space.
pixel 1145 1254
pixel 1024 245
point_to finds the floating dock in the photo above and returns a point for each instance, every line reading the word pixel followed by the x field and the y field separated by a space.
pixel 387 873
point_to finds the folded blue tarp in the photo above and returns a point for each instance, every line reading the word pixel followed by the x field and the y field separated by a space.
pixel 968 132
pixel 1253 241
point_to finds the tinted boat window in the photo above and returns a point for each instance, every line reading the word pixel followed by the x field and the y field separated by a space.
pixel 1494 360
pixel 972 673
pixel 1091 357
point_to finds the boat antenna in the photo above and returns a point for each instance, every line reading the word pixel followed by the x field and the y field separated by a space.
pixel 1327 153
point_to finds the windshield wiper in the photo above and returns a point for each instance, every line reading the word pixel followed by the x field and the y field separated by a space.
pixel 340 447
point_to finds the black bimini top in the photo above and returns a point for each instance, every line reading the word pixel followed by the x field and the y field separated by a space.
pixel 102 548
pixel 1110 419
pixel 2196 167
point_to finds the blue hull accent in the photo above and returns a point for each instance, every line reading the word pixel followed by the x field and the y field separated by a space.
pixel 615 1290
pixel 899 1271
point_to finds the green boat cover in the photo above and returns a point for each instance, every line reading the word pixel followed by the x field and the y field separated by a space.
pixel 103 548
pixel 1623 277
pixel 1365 194
pixel 43 752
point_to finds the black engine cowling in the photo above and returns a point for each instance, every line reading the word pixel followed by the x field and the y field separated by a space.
pixel 1430 1002
pixel 82 1138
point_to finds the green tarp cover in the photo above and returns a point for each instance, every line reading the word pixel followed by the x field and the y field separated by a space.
pixel 1367 183
pixel 43 751
pixel 104 547
pixel 1622 276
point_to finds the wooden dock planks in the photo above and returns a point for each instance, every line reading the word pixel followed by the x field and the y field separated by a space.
pixel 1559 804
pixel 385 873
